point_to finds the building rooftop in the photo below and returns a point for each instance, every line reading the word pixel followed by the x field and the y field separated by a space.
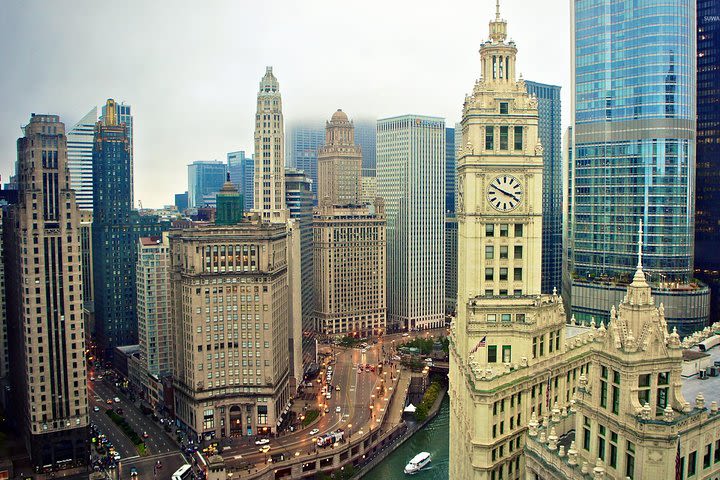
pixel 150 241
pixel 709 386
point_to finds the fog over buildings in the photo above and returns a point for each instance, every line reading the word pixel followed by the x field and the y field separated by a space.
pixel 190 71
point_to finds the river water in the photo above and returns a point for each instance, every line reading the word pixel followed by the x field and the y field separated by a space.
pixel 434 438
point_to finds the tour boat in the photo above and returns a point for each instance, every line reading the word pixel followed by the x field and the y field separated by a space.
pixel 417 463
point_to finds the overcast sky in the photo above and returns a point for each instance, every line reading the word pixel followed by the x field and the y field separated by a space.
pixel 190 69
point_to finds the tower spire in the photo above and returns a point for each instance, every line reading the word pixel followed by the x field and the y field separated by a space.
pixel 640 243
pixel 497 10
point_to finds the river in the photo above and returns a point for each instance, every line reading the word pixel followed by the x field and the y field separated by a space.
pixel 434 438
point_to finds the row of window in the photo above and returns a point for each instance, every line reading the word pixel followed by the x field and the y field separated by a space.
pixel 504 138
pixel 503 230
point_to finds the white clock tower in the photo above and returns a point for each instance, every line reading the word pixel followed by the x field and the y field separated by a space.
pixel 503 324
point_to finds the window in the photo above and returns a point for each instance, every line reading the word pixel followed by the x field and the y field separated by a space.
pixel 517 254
pixel 489 138
pixel 534 347
pixel 613 449
pixel 506 317
pixel 630 460
pixel 603 393
pixel 586 434
pixel 692 464
pixel 489 275
pixel 716 457
pixel 504 131
pixel 503 108
pixel 601 443
pixel 503 252
pixel 663 378
pixel 489 230
pixel 507 353
pixel 489 252
pixel 492 354
pixel 517 274
pixel 518 230
pixel 503 274
pixel 707 457
pixel 504 230
pixel 518 141
pixel 491 317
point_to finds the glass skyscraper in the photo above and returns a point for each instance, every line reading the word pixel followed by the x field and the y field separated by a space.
pixel 123 114
pixel 303 141
pixel 366 137
pixel 548 97
pixel 634 156
pixel 707 199
pixel 242 173
pixel 79 152
pixel 205 179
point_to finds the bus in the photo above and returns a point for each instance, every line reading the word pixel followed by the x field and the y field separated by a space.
pixel 183 473
pixel 330 438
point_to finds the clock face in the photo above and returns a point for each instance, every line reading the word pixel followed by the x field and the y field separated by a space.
pixel 505 193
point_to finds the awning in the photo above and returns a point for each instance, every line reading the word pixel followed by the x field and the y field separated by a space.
pixel 410 408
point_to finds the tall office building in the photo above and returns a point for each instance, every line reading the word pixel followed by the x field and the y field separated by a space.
pixel 368 189
pixel 44 303
pixel 339 163
pixel 304 140
pixel 270 152
pixel 299 200
pixel 4 353
pixel 411 181
pixel 86 220
pixel 115 232
pixel 242 174
pixel 122 114
pixel 366 137
pixel 451 252
pixel 633 156
pixel 155 334
pixel 450 171
pixel 205 179
pixel 181 201
pixel 548 97
pixel 349 243
pixel 229 289
pixel 707 198
pixel 80 147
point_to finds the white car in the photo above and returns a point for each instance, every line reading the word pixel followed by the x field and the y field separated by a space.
pixel 406 334
pixel 314 431
pixel 265 449
pixel 364 350
pixel 338 409
pixel 262 441
pixel 96 408
pixel 116 399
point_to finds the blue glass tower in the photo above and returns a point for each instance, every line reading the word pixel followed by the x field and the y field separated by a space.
pixel 366 137
pixel 242 172
pixel 303 141
pixel 115 231
pixel 548 97
pixel 707 200
pixel 205 179
pixel 634 155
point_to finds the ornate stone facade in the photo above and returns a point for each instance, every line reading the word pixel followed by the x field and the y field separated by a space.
pixel 339 163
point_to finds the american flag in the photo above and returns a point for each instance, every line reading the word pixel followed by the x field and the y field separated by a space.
pixel 678 467
pixel 481 343
pixel 547 394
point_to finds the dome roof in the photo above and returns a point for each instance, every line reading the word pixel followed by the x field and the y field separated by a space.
pixel 339 116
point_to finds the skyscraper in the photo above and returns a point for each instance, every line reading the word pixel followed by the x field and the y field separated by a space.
pixel 123 114
pixel 270 152
pixel 366 137
pixel 44 285
pixel 299 200
pixel 231 379
pixel 548 97
pixel 155 333
pixel 339 163
pixel 411 181
pixel 242 174
pixel 205 179
pixel 115 232
pixel 80 147
pixel 304 140
pixel 450 171
pixel 349 243
pixel 634 156
pixel 181 201
pixel 707 199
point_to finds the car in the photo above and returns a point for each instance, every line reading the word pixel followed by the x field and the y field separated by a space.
pixel 109 401
pixel 338 409
pixel 327 409
pixel 262 441
pixel 364 350
pixel 314 431
pixel 328 395
pixel 406 334
pixel 265 449
pixel 428 360
pixel 337 388
pixel 145 435
pixel 96 408
pixel 158 464
pixel 92 379
pixel 133 472
pixel 117 457
pixel 116 399
pixel 100 377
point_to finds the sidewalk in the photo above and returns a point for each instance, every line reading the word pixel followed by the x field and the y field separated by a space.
pixel 397 403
